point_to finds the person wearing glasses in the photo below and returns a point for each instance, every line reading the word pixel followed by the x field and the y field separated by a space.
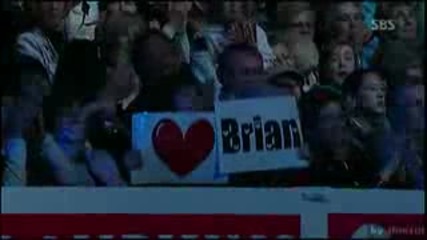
pixel 295 21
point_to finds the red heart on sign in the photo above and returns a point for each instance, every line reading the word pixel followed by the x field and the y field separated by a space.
pixel 183 154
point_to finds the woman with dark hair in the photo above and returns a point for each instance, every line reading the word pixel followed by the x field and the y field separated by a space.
pixel 365 95
pixel 338 158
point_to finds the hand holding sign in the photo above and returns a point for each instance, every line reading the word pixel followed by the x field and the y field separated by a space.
pixel 259 134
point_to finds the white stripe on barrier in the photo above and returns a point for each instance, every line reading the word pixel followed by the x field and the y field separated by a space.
pixel 189 236
pixel 165 236
pixel 106 237
pixel 258 237
pixel 81 237
pixel 212 237
pixel 205 200
pixel 284 237
pixel 233 236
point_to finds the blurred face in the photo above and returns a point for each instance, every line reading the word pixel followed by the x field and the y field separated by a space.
pixel 341 64
pixel 234 10
pixel 50 14
pixel 246 72
pixel 406 23
pixel 331 128
pixel 122 6
pixel 302 25
pixel 372 94
pixel 414 73
pixel 120 30
pixel 348 21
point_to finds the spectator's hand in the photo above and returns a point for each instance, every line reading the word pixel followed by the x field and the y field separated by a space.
pixel 310 80
pixel 243 32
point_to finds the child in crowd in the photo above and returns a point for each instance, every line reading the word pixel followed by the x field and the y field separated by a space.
pixel 338 62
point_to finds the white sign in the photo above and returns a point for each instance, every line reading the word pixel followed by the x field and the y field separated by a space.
pixel 258 134
pixel 176 148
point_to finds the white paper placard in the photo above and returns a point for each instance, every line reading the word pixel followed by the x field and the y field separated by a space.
pixel 258 134
pixel 176 148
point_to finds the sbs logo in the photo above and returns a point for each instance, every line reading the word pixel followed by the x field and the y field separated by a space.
pixel 383 25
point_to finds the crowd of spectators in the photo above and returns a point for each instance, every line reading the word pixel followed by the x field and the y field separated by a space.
pixel 74 72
